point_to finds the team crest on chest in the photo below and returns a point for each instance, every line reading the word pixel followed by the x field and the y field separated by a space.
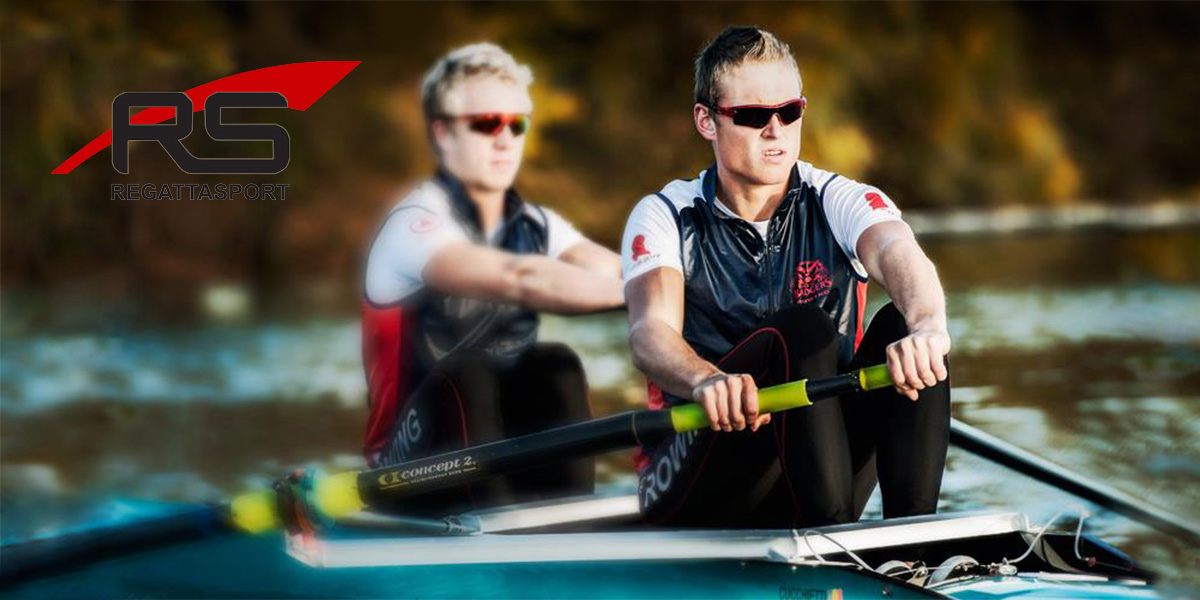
pixel 812 282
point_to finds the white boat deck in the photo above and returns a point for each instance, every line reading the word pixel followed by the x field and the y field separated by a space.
pixel 494 546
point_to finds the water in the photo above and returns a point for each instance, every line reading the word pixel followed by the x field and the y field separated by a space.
pixel 1083 348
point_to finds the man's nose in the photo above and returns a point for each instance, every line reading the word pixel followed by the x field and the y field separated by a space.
pixel 504 139
pixel 774 127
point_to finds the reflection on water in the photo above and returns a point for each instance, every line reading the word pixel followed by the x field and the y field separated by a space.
pixel 320 360
pixel 1083 349
pixel 305 362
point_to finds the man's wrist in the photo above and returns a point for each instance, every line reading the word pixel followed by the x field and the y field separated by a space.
pixel 929 323
pixel 703 375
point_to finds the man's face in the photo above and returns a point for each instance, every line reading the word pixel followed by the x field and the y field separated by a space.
pixel 755 156
pixel 481 161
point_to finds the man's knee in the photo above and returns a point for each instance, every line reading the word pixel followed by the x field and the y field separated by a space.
pixel 556 382
pixel 465 361
pixel 806 327
pixel 469 374
pixel 555 357
pixel 809 338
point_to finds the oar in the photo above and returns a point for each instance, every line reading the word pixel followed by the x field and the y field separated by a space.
pixel 345 493
pixel 999 451
pixel 350 492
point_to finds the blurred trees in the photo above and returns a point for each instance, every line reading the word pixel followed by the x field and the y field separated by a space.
pixel 940 104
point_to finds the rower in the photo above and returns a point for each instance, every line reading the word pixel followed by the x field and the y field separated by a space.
pixel 455 279
pixel 755 273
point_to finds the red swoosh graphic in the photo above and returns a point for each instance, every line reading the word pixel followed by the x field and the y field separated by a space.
pixel 301 83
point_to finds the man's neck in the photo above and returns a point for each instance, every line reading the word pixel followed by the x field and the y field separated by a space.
pixel 750 201
pixel 489 204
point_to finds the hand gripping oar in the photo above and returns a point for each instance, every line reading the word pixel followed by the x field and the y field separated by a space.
pixel 345 493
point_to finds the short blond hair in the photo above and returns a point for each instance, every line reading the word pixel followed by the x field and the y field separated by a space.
pixel 729 50
pixel 468 62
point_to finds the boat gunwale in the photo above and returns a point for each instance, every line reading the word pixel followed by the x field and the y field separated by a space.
pixel 775 545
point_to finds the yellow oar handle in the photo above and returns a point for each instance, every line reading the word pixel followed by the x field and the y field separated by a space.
pixel 334 495
pixel 777 398
pixel 690 417
pixel 876 377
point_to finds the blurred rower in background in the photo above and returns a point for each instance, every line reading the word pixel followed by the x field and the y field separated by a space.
pixel 455 279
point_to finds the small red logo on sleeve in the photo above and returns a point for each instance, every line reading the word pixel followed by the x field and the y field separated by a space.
pixel 876 201
pixel 639 247
pixel 424 224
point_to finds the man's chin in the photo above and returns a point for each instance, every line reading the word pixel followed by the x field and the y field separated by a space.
pixel 500 184
pixel 770 175
pixel 492 182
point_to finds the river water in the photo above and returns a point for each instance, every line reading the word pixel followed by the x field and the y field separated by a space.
pixel 1081 347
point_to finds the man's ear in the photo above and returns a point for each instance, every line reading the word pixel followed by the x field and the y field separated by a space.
pixel 438 132
pixel 704 122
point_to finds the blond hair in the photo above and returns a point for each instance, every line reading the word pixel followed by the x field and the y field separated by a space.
pixel 729 50
pixel 468 62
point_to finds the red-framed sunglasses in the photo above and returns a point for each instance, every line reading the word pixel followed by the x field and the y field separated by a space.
pixel 758 115
pixel 492 124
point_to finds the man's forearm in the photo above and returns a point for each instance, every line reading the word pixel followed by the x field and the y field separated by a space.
pixel 553 286
pixel 666 359
pixel 912 282
pixel 593 257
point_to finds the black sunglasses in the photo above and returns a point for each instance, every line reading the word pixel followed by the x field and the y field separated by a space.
pixel 758 115
pixel 492 124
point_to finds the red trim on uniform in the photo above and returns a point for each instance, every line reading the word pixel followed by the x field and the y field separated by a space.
pixel 861 297
pixel 654 396
pixel 641 460
pixel 655 401
pixel 386 360
pixel 750 337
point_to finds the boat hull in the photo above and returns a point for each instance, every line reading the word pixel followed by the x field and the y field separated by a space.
pixel 254 567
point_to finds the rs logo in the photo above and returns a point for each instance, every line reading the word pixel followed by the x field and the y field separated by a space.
pixel 295 86
pixel 170 134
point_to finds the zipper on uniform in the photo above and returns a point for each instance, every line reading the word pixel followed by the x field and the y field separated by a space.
pixel 773 300
pixel 770 250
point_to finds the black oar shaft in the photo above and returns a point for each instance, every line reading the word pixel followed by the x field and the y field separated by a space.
pixel 39 557
pixel 590 438
pixel 996 450
pixel 460 467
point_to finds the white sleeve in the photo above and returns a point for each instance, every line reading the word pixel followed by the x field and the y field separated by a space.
pixel 651 239
pixel 851 207
pixel 561 235
pixel 408 239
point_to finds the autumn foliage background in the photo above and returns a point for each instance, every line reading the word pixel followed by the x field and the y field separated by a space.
pixel 943 105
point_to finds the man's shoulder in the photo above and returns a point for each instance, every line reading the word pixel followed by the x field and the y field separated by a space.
pixel 678 193
pixel 815 177
pixel 537 213
pixel 426 196
pixel 417 211
pixel 830 185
